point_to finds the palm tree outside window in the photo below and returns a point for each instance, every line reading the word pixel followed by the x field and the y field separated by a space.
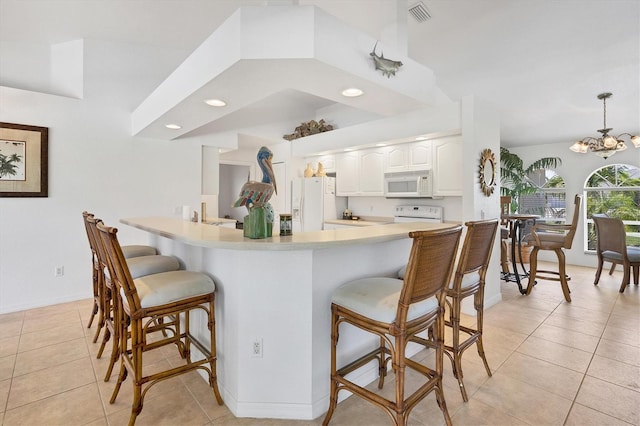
pixel 615 191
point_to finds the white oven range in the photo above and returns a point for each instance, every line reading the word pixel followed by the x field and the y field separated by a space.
pixel 410 213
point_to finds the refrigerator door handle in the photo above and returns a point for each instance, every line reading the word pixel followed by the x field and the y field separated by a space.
pixel 302 211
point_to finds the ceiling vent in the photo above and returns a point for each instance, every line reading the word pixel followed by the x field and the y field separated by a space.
pixel 420 12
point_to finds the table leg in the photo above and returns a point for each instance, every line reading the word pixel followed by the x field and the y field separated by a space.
pixel 515 276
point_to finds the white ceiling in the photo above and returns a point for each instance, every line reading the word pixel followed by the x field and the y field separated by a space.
pixel 541 63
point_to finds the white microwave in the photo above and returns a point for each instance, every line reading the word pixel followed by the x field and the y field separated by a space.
pixel 416 184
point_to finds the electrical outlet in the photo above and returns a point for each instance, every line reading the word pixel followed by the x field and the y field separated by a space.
pixel 256 347
pixel 58 271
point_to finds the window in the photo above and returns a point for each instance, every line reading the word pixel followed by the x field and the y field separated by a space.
pixel 615 191
pixel 549 199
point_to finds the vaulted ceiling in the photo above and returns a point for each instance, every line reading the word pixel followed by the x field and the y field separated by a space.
pixel 540 63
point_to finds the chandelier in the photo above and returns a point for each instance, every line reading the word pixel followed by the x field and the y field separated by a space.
pixel 606 145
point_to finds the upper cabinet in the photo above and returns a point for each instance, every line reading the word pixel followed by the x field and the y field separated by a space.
pixel 360 173
pixel 328 162
pixel 347 174
pixel 447 166
pixel 408 157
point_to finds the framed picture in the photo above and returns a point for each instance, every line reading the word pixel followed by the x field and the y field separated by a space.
pixel 24 160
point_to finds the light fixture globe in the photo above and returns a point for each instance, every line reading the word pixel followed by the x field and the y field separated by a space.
pixel 606 145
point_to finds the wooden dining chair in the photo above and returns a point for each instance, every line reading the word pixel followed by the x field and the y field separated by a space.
pixel 611 246
pixel 396 310
pixel 155 303
pixel 557 238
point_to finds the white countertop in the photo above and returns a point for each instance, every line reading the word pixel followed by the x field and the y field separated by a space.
pixel 360 222
pixel 204 235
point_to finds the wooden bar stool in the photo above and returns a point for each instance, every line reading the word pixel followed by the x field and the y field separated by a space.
pixel 138 266
pixel 130 252
pixel 556 238
pixel 469 280
pixel 153 303
pixel 396 310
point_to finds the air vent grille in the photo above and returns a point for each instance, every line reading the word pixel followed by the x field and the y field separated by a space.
pixel 420 12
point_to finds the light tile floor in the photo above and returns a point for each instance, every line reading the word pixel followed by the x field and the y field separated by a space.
pixel 553 363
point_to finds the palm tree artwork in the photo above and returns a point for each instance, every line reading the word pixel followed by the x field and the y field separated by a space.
pixel 11 162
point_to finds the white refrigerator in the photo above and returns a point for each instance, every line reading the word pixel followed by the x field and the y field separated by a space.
pixel 313 200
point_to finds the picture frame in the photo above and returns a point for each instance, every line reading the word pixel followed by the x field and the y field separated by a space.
pixel 24 160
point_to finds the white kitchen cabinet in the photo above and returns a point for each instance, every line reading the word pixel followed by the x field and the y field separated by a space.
pixel 420 155
pixel 371 172
pixel 409 157
pixel 447 166
pixel 397 158
pixel 347 177
pixel 328 162
pixel 360 173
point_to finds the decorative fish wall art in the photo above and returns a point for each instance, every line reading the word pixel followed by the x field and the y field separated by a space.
pixel 387 66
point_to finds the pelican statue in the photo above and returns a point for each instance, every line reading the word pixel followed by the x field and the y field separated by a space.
pixel 257 194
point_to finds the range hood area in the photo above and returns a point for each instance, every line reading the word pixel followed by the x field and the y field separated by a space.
pixel 280 54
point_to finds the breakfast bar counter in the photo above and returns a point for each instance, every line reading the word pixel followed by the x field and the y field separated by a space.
pixel 273 305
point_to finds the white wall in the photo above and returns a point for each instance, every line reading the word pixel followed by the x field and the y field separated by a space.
pixel 94 165
pixel 575 169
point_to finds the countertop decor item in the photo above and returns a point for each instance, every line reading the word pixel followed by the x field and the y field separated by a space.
pixel 309 128
pixel 255 197
pixel 320 172
pixel 308 172
pixel 606 145
pixel 387 66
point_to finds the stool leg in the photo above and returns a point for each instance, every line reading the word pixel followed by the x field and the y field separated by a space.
pixel 213 378
pixel 333 392
pixel 563 274
pixel 479 303
pixel 533 261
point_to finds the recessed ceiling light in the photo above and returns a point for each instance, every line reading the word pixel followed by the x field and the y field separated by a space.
pixel 173 126
pixel 215 102
pixel 352 92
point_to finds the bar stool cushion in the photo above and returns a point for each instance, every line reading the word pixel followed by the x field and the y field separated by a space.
pixel 169 287
pixel 467 280
pixel 147 265
pixel 138 250
pixel 377 298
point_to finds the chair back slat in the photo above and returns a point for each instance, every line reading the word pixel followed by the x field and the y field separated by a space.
pixel 117 266
pixel 476 249
pixel 430 266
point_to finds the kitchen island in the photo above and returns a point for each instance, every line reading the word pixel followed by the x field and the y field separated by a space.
pixel 273 305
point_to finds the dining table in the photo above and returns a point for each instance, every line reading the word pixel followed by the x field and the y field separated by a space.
pixel 518 224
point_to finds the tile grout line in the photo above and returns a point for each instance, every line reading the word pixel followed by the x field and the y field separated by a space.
pixel 573 401
pixel 93 367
